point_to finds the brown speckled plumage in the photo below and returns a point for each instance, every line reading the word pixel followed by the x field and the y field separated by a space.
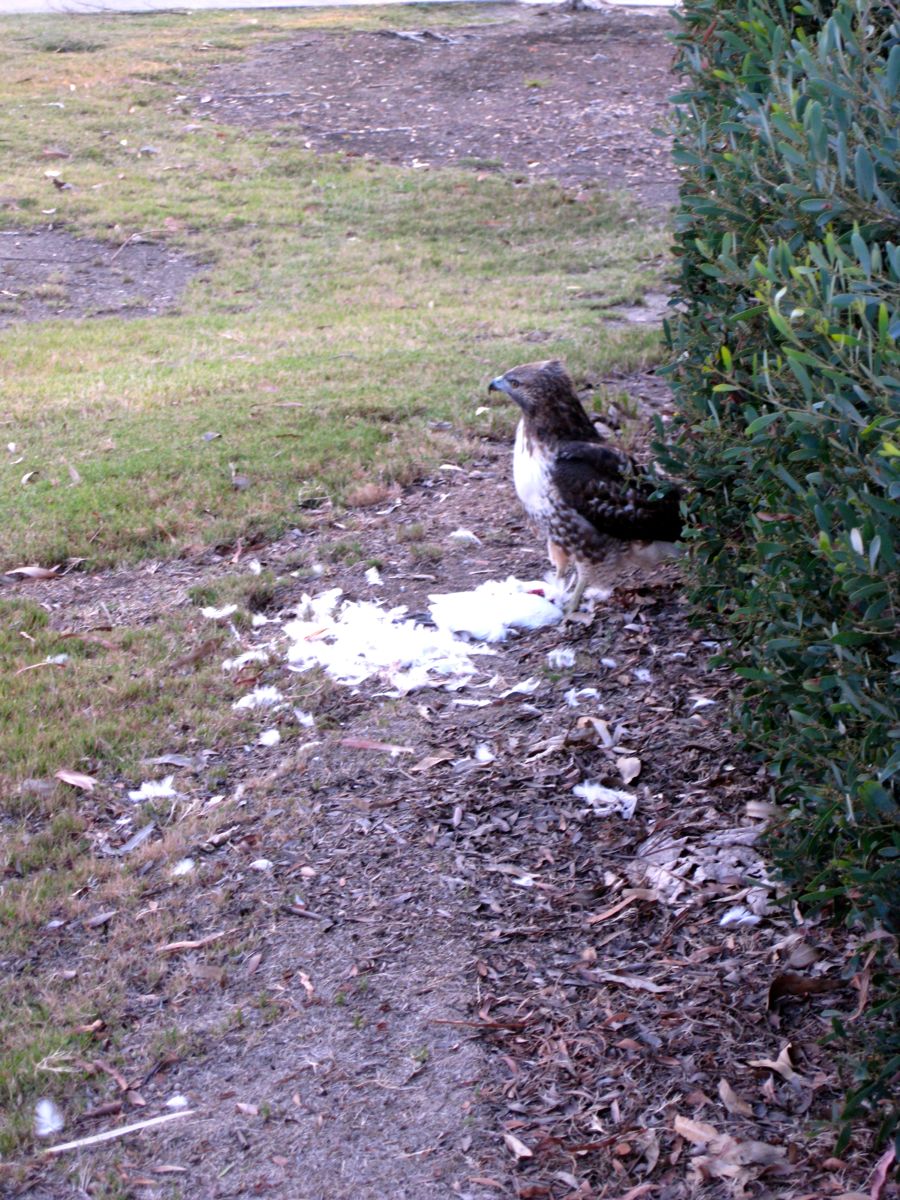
pixel 591 500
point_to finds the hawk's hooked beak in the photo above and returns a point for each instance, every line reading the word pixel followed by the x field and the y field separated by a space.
pixel 499 385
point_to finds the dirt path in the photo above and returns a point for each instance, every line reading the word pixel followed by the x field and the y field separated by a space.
pixel 439 971
pixel 539 94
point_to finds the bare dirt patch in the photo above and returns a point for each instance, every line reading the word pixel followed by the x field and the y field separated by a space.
pixel 453 977
pixel 539 94
pixel 47 274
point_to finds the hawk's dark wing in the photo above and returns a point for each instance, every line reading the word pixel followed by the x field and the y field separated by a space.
pixel 608 491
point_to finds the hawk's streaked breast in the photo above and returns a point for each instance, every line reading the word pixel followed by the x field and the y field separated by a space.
pixel 531 476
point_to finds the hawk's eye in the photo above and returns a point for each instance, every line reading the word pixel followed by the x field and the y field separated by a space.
pixel 512 381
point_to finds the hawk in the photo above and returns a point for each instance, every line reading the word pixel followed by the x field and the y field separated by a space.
pixel 592 502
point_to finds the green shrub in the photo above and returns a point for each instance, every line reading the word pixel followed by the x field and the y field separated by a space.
pixel 787 369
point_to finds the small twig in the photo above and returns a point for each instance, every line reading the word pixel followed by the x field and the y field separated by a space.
pixel 34 666
pixel 110 1134
pixel 196 944
pixel 136 237
pixel 294 910
pixel 482 1024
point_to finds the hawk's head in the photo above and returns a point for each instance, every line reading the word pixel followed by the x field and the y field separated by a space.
pixel 535 385
pixel 546 395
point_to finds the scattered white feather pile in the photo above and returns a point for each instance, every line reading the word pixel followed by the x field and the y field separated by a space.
pixel 356 640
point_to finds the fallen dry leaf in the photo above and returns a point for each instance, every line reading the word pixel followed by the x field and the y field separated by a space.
pixel 429 761
pixel 516 1147
pixel 880 1176
pixel 93 638
pixel 87 783
pixel 732 1101
pixel 637 982
pixel 629 898
pixel 629 768
pixel 102 918
pixel 726 1157
pixel 197 944
pixel 782 1065
pixel 207 972
pixel 641 1190
pixel 361 743
pixel 34 572
pixel 699 1133
pixel 788 984
pixel 112 1072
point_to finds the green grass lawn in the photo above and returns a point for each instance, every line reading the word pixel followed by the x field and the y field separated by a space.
pixel 342 306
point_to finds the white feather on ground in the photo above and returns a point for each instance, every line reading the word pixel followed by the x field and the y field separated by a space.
pixel 161 789
pixel 490 611
pixel 605 801
pixel 260 697
pixel 48 1118
pixel 356 640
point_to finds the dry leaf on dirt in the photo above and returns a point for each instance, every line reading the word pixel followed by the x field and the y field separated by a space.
pixel 99 919
pixel 629 768
pixel 726 1157
pixel 782 1065
pixel 429 761
pixel 699 1133
pixel 636 982
pixel 788 984
pixel 880 1175
pixel 360 743
pixel 87 783
pixel 732 1101
pixel 628 899
pixel 198 943
pixel 516 1147
pixel 35 572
